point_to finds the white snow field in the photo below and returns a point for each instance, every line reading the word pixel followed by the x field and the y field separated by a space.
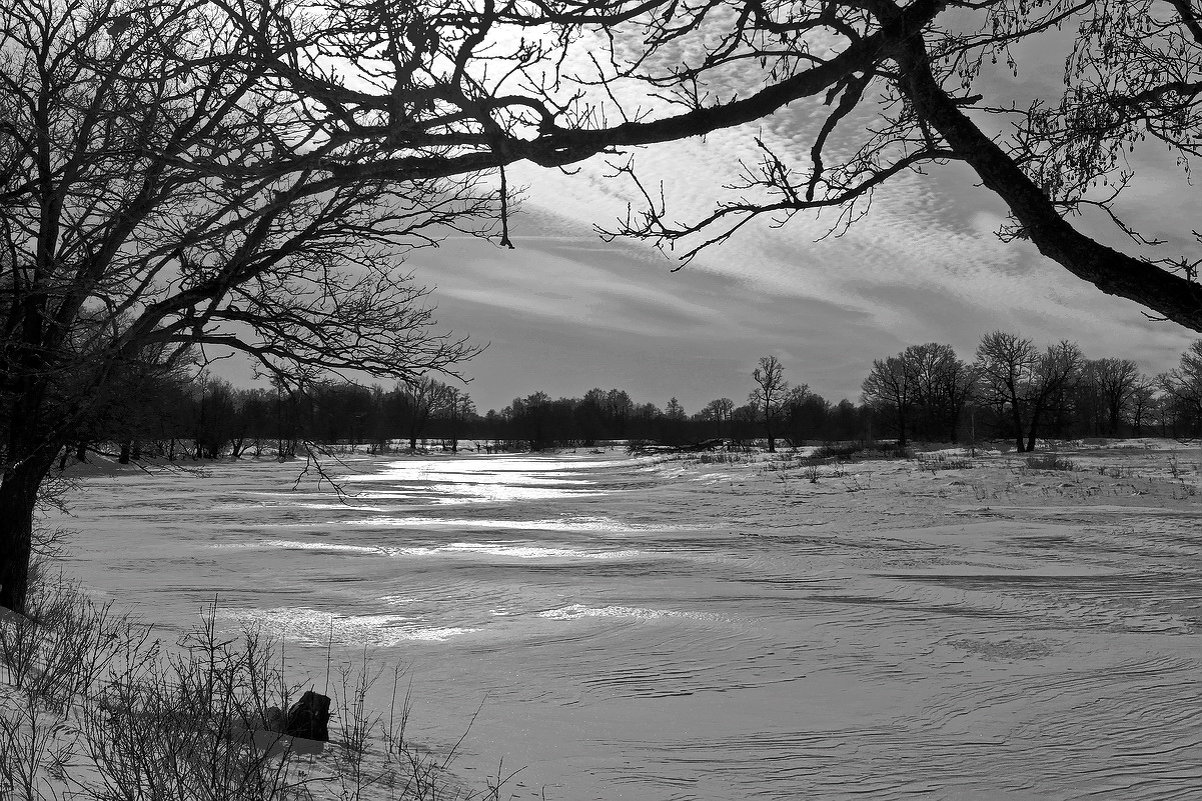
pixel 693 627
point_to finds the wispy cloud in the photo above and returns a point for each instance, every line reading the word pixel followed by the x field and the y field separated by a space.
pixel 566 311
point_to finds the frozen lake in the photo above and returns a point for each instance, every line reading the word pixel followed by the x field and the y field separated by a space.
pixel 679 630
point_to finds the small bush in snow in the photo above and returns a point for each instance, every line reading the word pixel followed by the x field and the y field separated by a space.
pixel 1050 461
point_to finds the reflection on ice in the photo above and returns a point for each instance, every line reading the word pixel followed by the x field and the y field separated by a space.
pixel 480 470
pixel 506 549
pixel 482 480
pixel 601 524
pixel 577 611
pixel 485 493
pixel 314 627
pixel 518 551
pixel 339 506
pixel 297 545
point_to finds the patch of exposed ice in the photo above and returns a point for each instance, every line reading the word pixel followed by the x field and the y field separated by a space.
pixel 297 545
pixel 501 549
pixel 607 524
pixel 514 550
pixel 577 611
pixel 315 627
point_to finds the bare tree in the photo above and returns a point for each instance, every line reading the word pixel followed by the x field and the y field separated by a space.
pixel 1116 381
pixel 1143 403
pixel 803 414
pixel 891 385
pixel 1006 364
pixel 457 408
pixel 1024 384
pixel 718 411
pixel 770 391
pixel 1058 369
pixel 941 385
pixel 158 198
pixel 423 398
pixel 1184 384
pixel 439 88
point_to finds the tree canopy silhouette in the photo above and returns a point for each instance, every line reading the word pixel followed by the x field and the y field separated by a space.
pixel 457 86
pixel 153 203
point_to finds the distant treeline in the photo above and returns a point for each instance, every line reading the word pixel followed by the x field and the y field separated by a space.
pixel 1012 390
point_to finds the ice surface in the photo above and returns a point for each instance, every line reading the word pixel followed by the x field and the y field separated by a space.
pixel 668 629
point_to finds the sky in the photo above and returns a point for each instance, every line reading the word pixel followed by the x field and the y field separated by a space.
pixel 565 311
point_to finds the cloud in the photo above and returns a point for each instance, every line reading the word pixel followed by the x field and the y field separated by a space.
pixel 566 311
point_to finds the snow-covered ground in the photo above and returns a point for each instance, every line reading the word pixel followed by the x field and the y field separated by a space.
pixel 713 627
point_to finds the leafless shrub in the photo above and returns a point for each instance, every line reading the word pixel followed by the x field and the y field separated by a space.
pixel 1050 461
pixel 66 644
pixel 728 457
pixel 942 461
pixel 360 726
pixel 30 750
pixel 169 727
pixel 150 723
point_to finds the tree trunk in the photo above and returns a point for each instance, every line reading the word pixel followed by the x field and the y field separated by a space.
pixel 1017 419
pixel 18 497
pixel 124 457
pixel 1033 432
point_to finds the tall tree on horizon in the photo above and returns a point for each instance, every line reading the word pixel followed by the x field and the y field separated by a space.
pixel 1024 384
pixel 891 385
pixel 942 384
pixel 1184 383
pixel 768 394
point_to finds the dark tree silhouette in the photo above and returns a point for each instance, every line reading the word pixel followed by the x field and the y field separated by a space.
pixel 891 386
pixel 1024 384
pixel 421 399
pixel 1184 384
pixel 768 395
pixel 441 88
pixel 942 383
pixel 157 196
pixel 1116 382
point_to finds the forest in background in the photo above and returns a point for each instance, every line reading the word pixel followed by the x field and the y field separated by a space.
pixel 1013 391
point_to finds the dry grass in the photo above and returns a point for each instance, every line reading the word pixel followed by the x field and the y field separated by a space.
pixel 1051 461
pixel 96 709
pixel 941 461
